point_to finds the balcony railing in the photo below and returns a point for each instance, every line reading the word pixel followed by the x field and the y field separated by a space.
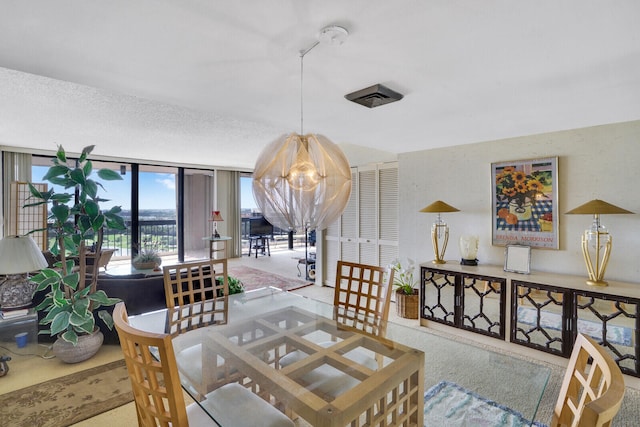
pixel 161 234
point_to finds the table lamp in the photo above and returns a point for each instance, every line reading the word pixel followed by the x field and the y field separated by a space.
pixel 215 217
pixel 439 229
pixel 597 238
pixel 19 255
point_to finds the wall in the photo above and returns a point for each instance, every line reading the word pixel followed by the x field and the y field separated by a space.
pixel 596 162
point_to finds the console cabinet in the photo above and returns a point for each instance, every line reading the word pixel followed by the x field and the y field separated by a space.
pixel 542 311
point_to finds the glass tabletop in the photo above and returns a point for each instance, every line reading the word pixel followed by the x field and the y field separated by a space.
pixel 280 357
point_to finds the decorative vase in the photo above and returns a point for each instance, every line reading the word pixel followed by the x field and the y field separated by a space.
pixel 147 265
pixel 407 305
pixel 521 211
pixel 88 345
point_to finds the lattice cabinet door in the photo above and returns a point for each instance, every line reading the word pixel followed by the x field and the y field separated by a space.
pixel 613 322
pixel 438 296
pixel 539 315
pixel 482 305
pixel 21 219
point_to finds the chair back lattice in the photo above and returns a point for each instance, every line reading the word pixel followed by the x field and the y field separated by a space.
pixel 361 296
pixel 591 393
pixel 196 294
pixel 153 373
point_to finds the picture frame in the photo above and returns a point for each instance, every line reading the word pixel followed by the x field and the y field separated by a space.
pixel 517 259
pixel 524 198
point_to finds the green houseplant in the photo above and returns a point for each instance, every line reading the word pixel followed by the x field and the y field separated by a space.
pixel 148 258
pixel 406 291
pixel 71 300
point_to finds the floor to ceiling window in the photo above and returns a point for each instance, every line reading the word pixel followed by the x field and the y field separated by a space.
pixel 157 203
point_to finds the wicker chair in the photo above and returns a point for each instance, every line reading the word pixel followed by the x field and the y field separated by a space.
pixel 591 394
pixel 158 394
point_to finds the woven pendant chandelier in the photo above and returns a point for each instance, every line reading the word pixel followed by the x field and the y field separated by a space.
pixel 303 182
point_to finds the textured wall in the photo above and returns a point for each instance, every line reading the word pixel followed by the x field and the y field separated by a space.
pixel 596 162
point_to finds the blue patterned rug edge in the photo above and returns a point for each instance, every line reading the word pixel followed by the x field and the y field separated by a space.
pixel 438 387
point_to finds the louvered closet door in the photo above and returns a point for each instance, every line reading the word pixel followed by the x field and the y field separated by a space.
pixel 331 251
pixel 349 224
pixel 368 215
pixel 388 209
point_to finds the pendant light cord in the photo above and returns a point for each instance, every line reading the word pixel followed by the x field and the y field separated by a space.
pixel 302 54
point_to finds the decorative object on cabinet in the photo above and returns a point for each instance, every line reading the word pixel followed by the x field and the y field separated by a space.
pixel 469 249
pixel 439 229
pixel 19 255
pixel 302 182
pixel 517 259
pixel 597 238
pixel 525 203
pixel 215 217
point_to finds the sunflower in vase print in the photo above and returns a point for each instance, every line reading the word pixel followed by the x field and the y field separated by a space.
pixel 521 191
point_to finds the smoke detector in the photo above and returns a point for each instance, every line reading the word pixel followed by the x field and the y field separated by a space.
pixel 374 96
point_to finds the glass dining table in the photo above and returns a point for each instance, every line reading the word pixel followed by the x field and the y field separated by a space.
pixel 295 353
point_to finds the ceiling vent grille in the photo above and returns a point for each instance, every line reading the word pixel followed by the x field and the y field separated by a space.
pixel 374 96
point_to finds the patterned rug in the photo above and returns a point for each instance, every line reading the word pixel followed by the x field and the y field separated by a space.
pixel 615 334
pixel 67 400
pixel 448 404
pixel 253 278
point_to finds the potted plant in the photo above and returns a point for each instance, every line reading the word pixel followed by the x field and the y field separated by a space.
pixel 148 258
pixel 72 301
pixel 406 292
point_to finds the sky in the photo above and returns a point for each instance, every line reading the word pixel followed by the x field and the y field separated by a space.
pixel 157 190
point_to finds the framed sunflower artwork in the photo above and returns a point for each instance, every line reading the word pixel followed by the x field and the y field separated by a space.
pixel 525 203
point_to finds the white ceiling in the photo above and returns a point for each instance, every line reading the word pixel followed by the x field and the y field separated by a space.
pixel 211 82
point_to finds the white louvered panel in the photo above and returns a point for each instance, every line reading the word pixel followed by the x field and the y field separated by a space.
pixel 333 230
pixel 367 197
pixel 349 251
pixel 388 205
pixel 331 261
pixel 349 222
pixel 369 253
pixel 388 253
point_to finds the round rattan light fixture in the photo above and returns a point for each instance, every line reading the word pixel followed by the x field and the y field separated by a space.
pixel 303 182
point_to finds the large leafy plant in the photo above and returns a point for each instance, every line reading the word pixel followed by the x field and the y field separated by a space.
pixel 76 217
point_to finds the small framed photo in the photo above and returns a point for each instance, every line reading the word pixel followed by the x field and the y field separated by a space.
pixel 517 259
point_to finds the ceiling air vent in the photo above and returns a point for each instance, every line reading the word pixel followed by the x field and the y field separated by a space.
pixel 374 96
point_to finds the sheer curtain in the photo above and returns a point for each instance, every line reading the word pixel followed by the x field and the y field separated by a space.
pixel 15 167
pixel 228 203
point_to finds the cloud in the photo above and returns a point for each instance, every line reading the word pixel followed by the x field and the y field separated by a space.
pixel 169 183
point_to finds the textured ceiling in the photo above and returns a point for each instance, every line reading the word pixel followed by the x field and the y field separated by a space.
pixel 212 82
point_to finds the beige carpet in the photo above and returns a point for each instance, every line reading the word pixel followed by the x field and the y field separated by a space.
pixel 69 399
pixel 252 279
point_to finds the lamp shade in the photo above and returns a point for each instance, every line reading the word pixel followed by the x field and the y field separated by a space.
pixel 302 182
pixel 20 254
pixel 215 216
pixel 439 206
pixel 598 207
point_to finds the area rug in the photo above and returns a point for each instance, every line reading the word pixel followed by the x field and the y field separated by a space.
pixel 448 404
pixel 615 334
pixel 67 400
pixel 253 278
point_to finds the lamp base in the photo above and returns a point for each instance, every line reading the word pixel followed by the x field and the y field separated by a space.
pixel 439 261
pixel 601 283
pixel 468 261
pixel 216 235
pixel 16 291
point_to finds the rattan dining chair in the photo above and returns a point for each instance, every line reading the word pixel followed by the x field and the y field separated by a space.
pixel 591 393
pixel 361 301
pixel 158 395
pixel 196 295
